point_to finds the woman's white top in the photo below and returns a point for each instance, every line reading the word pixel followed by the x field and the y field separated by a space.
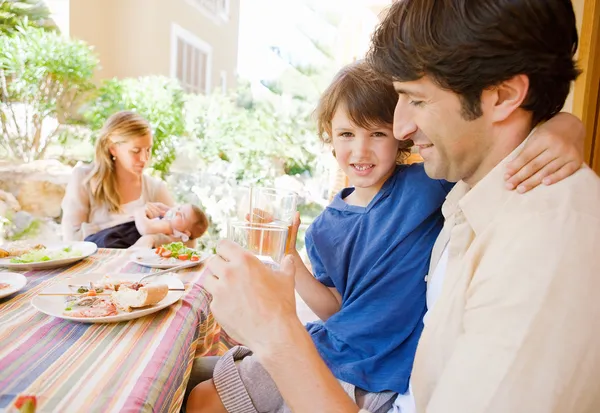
pixel 82 216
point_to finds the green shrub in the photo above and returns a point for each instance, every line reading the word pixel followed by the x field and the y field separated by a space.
pixel 15 13
pixel 41 76
pixel 258 142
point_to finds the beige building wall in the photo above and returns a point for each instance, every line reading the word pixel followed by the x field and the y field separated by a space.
pixel 134 37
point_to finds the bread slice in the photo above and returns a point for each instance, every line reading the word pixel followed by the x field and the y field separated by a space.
pixel 128 298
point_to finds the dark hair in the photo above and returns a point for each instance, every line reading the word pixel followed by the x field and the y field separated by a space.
pixel 369 99
pixel 466 46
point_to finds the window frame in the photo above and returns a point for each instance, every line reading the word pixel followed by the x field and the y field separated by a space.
pixel 219 15
pixel 177 33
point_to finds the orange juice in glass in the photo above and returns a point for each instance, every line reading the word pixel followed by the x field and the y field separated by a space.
pixel 266 241
pixel 273 206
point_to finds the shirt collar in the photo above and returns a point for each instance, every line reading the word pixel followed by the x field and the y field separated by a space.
pixel 480 204
pixel 450 206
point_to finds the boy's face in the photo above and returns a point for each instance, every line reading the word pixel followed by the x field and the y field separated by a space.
pixel 367 156
pixel 452 147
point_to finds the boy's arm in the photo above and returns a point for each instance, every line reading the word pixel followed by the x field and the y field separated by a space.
pixel 322 300
pixel 552 153
pixel 146 226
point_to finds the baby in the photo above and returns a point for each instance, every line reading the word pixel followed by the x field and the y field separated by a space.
pixel 180 223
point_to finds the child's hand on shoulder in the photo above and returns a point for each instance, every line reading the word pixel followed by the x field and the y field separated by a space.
pixel 552 153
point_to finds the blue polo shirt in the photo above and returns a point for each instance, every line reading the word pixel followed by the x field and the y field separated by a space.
pixel 377 258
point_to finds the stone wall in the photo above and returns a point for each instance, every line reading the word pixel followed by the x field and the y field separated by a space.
pixel 38 187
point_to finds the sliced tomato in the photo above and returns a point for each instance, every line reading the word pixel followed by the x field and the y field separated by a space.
pixel 195 258
pixel 183 257
pixel 159 250
pixel 29 402
pixel 165 254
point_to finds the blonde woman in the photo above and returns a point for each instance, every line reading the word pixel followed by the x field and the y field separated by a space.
pixel 106 193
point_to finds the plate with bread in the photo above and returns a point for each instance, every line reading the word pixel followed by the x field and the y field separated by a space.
pixel 94 298
pixel 28 256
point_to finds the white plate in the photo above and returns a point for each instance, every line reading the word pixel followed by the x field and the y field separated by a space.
pixel 16 281
pixel 55 305
pixel 86 249
pixel 147 258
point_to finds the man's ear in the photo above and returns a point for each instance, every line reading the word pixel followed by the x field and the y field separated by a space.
pixel 504 99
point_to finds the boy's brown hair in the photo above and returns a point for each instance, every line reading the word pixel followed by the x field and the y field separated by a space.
pixel 467 46
pixel 369 99
pixel 200 223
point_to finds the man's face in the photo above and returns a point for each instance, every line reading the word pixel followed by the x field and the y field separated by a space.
pixel 452 147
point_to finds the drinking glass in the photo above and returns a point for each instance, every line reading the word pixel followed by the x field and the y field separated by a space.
pixel 274 207
pixel 266 241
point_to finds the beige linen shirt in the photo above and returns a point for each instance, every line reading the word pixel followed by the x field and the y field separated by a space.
pixel 82 216
pixel 517 325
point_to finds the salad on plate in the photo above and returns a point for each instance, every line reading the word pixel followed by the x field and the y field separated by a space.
pixel 178 251
pixel 44 254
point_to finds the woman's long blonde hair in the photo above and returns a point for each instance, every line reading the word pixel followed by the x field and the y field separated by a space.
pixel 119 128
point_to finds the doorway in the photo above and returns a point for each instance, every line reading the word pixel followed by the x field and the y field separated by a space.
pixel 586 98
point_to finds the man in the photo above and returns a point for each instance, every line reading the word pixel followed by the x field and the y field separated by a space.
pixel 514 327
pixel 509 331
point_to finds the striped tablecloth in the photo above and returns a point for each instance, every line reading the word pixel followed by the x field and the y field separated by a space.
pixel 138 366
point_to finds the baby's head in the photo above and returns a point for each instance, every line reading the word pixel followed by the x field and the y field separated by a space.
pixel 188 220
pixel 367 99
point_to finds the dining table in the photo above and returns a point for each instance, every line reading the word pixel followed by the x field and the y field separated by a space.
pixel 141 365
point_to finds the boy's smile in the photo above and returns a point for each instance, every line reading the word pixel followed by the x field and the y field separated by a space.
pixel 362 169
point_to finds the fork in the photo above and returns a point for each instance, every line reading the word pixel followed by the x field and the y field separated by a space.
pixel 172 269
pixel 153 274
